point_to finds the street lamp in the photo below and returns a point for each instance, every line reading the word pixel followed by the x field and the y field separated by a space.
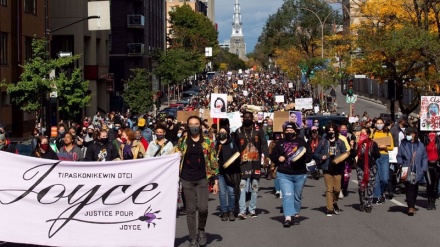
pixel 322 26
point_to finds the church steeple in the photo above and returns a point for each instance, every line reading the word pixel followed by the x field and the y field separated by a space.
pixel 236 21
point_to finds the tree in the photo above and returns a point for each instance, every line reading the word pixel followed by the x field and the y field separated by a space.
pixel 177 65
pixel 137 93
pixel 400 42
pixel 31 91
pixel 232 61
pixel 191 30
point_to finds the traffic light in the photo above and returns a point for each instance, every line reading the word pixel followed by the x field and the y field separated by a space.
pixel 350 88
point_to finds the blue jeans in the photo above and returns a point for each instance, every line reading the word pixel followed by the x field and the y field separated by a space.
pixel 291 189
pixel 276 183
pixel 382 175
pixel 245 186
pixel 226 204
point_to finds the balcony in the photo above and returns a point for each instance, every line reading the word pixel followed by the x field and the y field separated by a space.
pixel 135 21
pixel 135 49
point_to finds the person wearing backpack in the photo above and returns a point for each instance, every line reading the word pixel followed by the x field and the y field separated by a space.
pixel 412 156
pixel 432 146
pixel 328 148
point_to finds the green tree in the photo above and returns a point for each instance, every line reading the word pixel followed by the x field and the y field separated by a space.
pixel 177 65
pixel 137 93
pixel 232 61
pixel 35 85
pixel 72 94
pixel 191 30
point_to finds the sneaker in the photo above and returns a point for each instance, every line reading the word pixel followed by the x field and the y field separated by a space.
pixel 231 216
pixel 380 200
pixel 411 211
pixel 242 216
pixel 362 207
pixel 329 213
pixel 287 223
pixel 277 194
pixel 253 215
pixel 193 243
pixel 202 238
pixel 224 216
pixel 341 194
pixel 281 195
pixel 336 209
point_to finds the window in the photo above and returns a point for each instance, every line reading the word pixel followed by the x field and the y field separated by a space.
pixel 4 2
pixel 30 6
pixel 3 48
pixel 28 53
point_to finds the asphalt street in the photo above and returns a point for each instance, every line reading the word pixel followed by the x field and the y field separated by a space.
pixel 373 109
pixel 387 225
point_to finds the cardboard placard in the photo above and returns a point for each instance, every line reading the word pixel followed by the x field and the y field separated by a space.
pixel 279 118
pixel 207 115
pixel 303 103
pixel 240 82
pixel 230 99
pixel 383 140
pixel 182 116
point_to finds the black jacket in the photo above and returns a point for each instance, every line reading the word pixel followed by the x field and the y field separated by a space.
pixel 282 147
pixel 228 149
pixel 100 152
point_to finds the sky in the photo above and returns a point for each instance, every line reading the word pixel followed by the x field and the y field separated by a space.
pixel 254 14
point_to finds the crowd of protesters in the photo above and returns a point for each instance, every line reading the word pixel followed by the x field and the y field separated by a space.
pixel 233 161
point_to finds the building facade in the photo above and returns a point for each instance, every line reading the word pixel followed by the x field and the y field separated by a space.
pixel 137 32
pixel 196 5
pixel 93 46
pixel 20 21
pixel 236 43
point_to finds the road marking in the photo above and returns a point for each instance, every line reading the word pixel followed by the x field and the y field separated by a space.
pixel 392 200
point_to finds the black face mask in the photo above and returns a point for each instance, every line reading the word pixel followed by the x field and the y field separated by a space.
pixel 330 135
pixel 222 136
pixel 104 140
pixel 247 122
pixel 90 134
pixel 290 136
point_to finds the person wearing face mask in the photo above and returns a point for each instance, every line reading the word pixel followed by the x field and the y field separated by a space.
pixel 197 166
pixel 273 169
pixel 43 149
pixel 432 146
pixel 60 137
pixel 131 148
pixel 102 150
pixel 229 178
pixel 383 162
pixel 412 155
pixel 291 175
pixel 366 152
pixel 348 163
pixel 252 144
pixel 312 142
pixel 161 145
pixel 70 151
pixel 398 130
pixel 171 131
pixel 139 137
pixel 328 148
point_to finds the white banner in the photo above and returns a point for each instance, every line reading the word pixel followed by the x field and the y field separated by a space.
pixel 61 203
pixel 303 103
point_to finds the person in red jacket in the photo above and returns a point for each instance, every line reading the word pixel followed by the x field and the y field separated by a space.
pixel 141 138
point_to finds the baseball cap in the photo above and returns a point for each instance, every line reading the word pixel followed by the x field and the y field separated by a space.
pixel 289 126
pixel 91 127
pixel 141 122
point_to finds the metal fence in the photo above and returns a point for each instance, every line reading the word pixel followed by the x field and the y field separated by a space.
pixel 378 90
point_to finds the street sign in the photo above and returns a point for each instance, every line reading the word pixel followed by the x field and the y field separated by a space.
pixel 351 99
